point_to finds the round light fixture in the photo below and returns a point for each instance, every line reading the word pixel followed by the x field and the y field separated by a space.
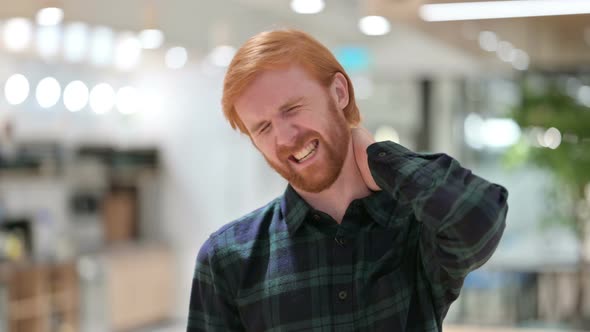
pixel 48 92
pixel 374 25
pixel 75 96
pixel 102 98
pixel 176 57
pixel 16 89
pixel 17 34
pixel 151 38
pixel 127 100
pixel 307 6
pixel 49 16
pixel 127 52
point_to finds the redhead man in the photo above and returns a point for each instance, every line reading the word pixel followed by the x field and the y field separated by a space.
pixel 367 236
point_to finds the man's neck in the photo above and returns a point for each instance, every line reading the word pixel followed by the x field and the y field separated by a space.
pixel 348 186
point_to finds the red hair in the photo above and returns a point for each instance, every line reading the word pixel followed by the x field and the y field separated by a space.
pixel 275 49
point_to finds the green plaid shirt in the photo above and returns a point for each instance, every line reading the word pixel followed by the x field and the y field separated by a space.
pixel 395 263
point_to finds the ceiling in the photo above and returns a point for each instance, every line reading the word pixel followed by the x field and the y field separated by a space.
pixel 552 42
pixel 413 46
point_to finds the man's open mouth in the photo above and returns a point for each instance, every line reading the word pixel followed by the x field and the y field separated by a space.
pixel 305 153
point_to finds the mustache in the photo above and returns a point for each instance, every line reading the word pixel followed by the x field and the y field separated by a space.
pixel 285 151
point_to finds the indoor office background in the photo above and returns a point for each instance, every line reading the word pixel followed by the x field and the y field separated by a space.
pixel 116 162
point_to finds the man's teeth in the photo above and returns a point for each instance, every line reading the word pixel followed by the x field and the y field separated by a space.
pixel 305 152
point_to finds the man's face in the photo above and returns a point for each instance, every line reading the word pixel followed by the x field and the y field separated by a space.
pixel 297 126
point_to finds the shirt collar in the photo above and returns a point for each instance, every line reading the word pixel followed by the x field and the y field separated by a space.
pixel 294 209
pixel 379 205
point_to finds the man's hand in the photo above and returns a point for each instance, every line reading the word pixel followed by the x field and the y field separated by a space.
pixel 361 139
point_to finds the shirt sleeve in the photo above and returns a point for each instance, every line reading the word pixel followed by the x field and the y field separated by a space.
pixel 211 306
pixel 462 216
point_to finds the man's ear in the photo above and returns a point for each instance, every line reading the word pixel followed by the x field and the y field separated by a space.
pixel 339 90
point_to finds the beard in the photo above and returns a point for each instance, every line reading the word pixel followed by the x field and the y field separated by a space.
pixel 321 174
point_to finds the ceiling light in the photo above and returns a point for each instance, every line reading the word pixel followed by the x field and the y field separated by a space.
pixel 127 100
pixel 75 41
pixel 127 52
pixel 101 46
pixel 505 51
pixel 176 57
pixel 307 6
pixel 49 16
pixel 520 60
pixel 75 96
pixel 221 56
pixel 48 40
pixel 17 33
pixel 488 41
pixel 374 25
pixel 102 98
pixel 151 38
pixel 16 89
pixel 48 92
pixel 501 9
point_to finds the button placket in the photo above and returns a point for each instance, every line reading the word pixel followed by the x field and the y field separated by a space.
pixel 343 257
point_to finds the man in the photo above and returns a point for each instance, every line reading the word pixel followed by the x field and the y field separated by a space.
pixel 367 236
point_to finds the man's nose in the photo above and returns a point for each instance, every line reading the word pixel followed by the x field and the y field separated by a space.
pixel 285 134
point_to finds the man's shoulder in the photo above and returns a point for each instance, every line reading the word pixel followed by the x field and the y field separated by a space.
pixel 247 228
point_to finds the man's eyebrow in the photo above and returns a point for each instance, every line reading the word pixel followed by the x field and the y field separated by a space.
pixel 287 105
pixel 290 103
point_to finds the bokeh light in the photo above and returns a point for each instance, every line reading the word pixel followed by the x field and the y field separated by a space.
pixel 17 34
pixel 76 41
pixel 101 46
pixel 176 57
pixel 49 16
pixel 48 92
pixel 102 98
pixel 75 96
pixel 48 40
pixel 16 89
pixel 127 51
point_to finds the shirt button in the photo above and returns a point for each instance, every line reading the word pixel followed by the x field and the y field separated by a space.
pixel 316 217
pixel 341 241
pixel 382 154
pixel 342 295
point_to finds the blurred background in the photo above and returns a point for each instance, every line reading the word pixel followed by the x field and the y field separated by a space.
pixel 116 162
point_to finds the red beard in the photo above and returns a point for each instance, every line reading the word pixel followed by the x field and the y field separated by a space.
pixel 322 173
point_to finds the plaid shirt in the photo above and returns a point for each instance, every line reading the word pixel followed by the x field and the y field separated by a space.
pixel 395 263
